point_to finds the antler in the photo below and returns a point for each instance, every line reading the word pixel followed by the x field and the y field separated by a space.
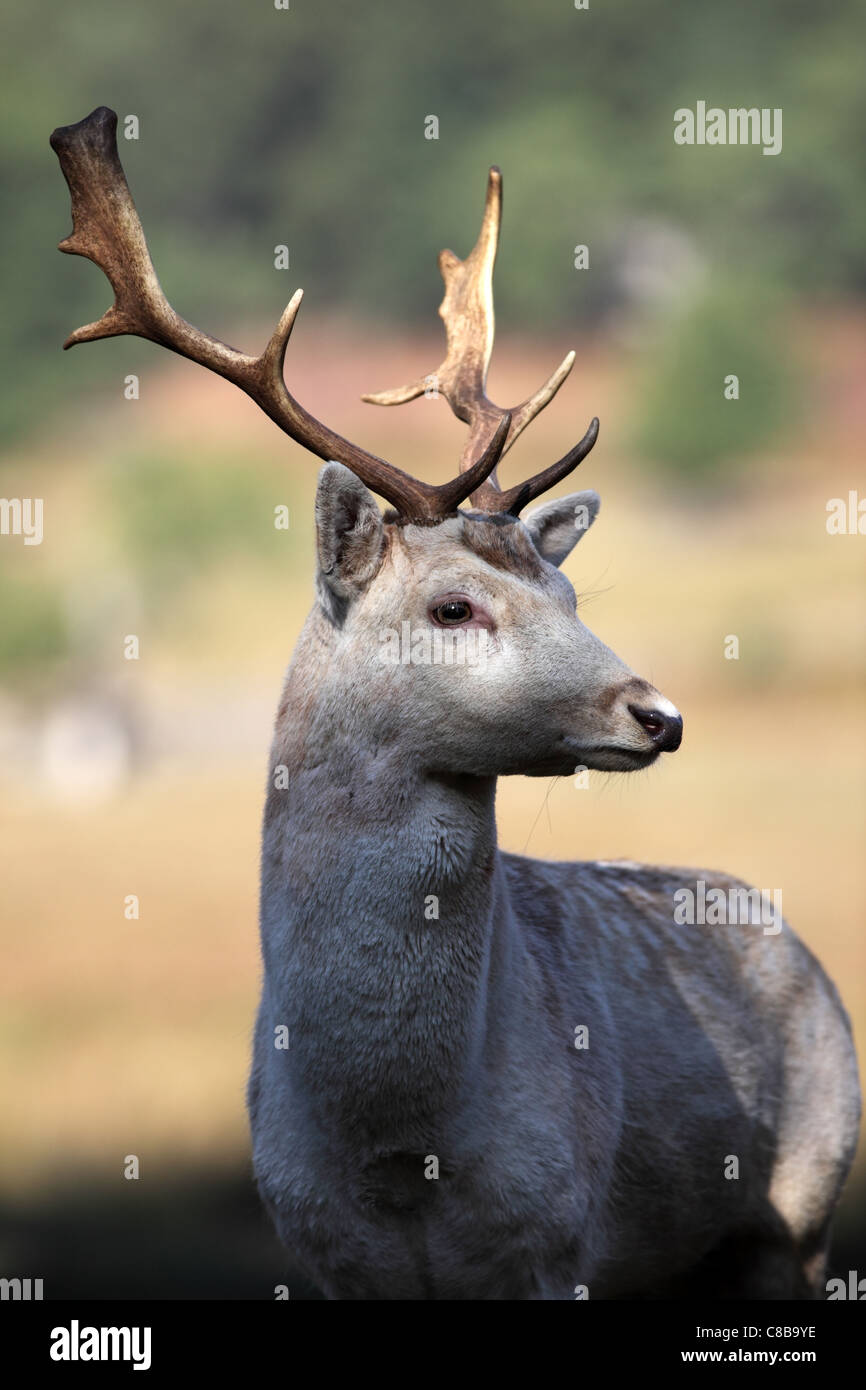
pixel 107 230
pixel 467 311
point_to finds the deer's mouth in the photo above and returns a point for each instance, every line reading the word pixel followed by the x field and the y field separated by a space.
pixel 608 757
pixel 601 757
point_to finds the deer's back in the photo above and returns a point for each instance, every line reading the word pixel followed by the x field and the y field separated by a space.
pixel 739 1096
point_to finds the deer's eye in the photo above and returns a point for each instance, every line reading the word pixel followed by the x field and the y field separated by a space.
pixel 452 612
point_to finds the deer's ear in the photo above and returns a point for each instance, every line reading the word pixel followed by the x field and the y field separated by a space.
pixel 557 526
pixel 349 531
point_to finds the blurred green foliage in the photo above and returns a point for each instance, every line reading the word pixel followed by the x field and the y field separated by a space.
pixel 176 519
pixel 306 127
pixel 34 636
pixel 683 421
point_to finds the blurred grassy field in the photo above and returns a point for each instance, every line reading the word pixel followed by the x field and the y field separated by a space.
pixel 133 1036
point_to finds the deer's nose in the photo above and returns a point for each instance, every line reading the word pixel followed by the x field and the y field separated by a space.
pixel 664 726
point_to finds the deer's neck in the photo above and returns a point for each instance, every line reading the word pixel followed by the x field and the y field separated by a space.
pixel 384 912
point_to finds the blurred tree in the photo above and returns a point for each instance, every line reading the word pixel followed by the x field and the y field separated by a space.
pixel 718 389
pixel 34 636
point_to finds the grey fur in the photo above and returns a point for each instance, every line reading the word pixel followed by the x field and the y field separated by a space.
pixel 452 1038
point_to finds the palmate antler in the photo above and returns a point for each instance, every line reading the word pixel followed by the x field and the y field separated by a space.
pixel 107 230
pixel 467 312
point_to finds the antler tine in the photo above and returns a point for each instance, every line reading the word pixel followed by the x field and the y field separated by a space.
pixel 467 312
pixel 514 499
pixel 107 231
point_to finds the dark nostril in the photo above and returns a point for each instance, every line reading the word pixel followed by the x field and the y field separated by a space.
pixel 665 730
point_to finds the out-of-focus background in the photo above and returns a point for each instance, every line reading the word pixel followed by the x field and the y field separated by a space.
pixel 305 128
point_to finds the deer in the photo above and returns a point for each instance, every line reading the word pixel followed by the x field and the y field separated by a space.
pixel 478 1075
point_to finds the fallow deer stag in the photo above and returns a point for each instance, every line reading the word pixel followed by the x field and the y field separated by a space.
pixel 432 1131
